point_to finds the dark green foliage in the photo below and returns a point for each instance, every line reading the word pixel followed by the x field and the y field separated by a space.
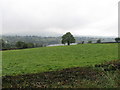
pixel 21 44
pixel 117 39
pixel 82 42
pixel 44 41
pixel 30 45
pixel 110 66
pixel 7 46
pixel 68 38
pixel 89 41
pixel 40 41
pixel 63 41
pixel 98 41
pixel 2 43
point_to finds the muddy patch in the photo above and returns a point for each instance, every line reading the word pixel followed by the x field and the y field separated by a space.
pixel 47 79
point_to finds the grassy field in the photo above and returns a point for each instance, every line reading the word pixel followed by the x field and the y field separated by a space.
pixel 36 60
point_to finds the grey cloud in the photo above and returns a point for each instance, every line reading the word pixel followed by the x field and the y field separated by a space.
pixel 50 17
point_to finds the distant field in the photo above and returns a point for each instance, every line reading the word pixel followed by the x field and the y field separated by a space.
pixel 43 59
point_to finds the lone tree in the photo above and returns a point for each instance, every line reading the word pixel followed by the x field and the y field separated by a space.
pixel 68 38
pixel 117 39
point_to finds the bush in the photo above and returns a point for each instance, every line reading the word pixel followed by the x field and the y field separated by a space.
pixel 30 45
pixel 117 39
pixel 82 42
pixel 89 41
pixel 98 41
pixel 21 44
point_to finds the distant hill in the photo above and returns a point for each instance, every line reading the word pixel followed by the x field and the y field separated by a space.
pixel 51 40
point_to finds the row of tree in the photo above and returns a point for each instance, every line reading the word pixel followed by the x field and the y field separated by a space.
pixel 18 45
pixel 4 45
pixel 69 38
pixel 66 38
pixel 98 41
pixel 22 45
pixel 51 40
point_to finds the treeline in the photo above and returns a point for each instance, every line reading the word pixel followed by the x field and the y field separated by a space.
pixel 23 45
pixel 22 42
pixel 90 41
pixel 4 45
pixel 15 42
pixel 51 40
pixel 32 39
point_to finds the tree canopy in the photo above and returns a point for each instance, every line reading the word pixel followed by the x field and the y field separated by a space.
pixel 2 43
pixel 117 39
pixel 21 44
pixel 68 38
pixel 99 41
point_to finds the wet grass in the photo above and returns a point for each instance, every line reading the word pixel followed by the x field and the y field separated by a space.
pixel 78 66
pixel 78 77
pixel 36 60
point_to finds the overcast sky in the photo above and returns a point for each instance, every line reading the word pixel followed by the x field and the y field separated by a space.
pixel 56 17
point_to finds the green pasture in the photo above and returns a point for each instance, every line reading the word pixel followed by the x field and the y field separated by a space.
pixel 35 60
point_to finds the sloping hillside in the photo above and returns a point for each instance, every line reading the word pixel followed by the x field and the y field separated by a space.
pixel 55 58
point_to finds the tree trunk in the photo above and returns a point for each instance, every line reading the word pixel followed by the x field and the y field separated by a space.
pixel 68 43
